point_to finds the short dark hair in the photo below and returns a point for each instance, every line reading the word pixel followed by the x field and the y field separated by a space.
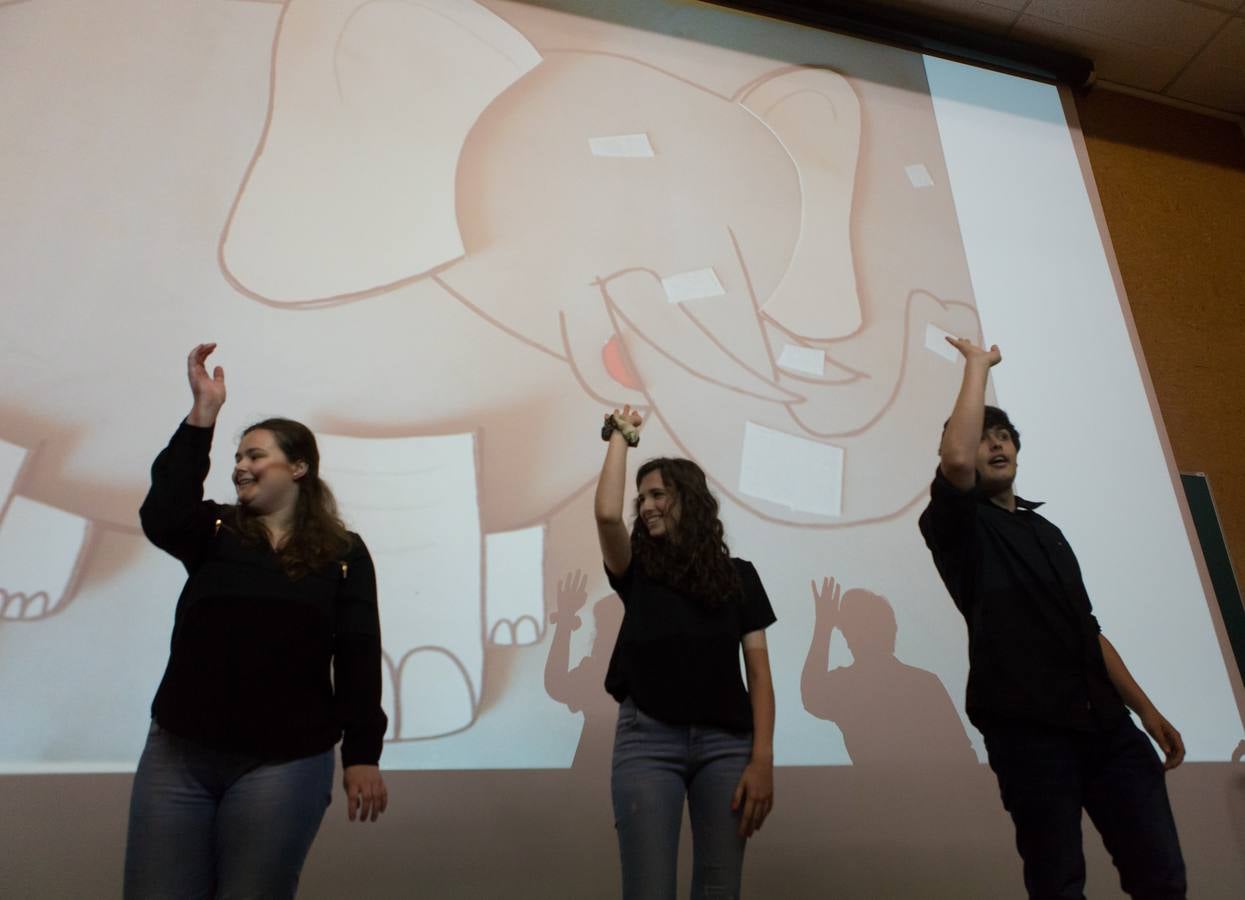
pixel 997 418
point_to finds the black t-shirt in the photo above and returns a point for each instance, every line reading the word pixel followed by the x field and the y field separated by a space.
pixel 260 663
pixel 1033 647
pixel 679 659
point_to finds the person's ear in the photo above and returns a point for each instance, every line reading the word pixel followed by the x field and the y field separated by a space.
pixel 298 469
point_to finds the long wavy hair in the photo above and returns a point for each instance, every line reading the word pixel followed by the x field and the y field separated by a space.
pixel 318 536
pixel 692 556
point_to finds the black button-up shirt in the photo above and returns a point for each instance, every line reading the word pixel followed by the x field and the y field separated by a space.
pixel 1033 647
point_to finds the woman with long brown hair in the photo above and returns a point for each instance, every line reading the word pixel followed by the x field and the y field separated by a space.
pixel 275 657
pixel 688 728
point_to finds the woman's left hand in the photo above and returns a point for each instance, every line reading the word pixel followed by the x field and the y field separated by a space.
pixel 755 795
pixel 366 796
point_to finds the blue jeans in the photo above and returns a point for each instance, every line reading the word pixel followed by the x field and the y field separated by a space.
pixel 655 766
pixel 1047 776
pixel 211 825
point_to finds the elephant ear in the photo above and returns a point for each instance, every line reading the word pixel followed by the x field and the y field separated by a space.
pixel 352 185
pixel 815 114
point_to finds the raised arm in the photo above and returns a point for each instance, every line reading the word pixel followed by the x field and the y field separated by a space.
pixel 611 486
pixel 1163 732
pixel 172 514
pixel 572 597
pixel 962 436
pixel 814 683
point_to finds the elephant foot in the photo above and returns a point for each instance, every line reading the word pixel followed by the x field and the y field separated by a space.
pixel 434 696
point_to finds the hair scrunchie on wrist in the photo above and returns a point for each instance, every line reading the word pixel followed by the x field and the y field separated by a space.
pixel 615 423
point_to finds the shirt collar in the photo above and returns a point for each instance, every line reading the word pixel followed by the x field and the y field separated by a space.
pixel 1021 502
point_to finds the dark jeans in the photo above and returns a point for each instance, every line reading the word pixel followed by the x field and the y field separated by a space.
pixel 208 824
pixel 1047 776
pixel 656 768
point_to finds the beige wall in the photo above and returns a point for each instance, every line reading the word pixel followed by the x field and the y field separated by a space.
pixel 1172 185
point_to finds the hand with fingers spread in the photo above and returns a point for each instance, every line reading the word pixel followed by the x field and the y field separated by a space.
pixel 827 601
pixel 973 353
pixel 572 597
pixel 366 794
pixel 208 390
pixel 754 796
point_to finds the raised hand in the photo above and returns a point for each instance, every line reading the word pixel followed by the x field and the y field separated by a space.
pixel 208 390
pixel 828 600
pixel 572 596
pixel 973 353
pixel 630 416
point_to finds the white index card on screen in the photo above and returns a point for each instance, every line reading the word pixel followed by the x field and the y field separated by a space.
pixel 919 175
pixel 693 285
pixel 11 458
pixel 936 342
pixel 792 471
pixel 808 360
pixel 632 146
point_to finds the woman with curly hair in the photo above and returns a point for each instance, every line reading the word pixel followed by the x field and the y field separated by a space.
pixel 275 657
pixel 687 726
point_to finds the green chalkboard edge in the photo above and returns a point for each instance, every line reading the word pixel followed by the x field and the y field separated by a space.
pixel 1218 563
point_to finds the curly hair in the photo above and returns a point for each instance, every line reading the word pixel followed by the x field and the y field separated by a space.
pixel 318 535
pixel 693 557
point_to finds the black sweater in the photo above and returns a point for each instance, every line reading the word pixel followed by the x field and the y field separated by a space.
pixel 260 663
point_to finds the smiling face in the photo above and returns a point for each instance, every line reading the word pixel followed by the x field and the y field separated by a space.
pixel 996 460
pixel 657 506
pixel 265 479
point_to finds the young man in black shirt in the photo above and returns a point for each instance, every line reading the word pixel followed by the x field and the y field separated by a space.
pixel 1046 688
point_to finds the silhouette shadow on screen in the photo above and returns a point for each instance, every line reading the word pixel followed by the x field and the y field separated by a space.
pixel 582 689
pixel 890 713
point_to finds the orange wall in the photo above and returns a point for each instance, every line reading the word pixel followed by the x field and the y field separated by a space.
pixel 1172 185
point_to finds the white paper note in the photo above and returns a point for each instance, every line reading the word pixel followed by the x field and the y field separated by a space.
pixel 693 285
pixel 792 471
pixel 808 360
pixel 919 176
pixel 936 342
pixel 633 146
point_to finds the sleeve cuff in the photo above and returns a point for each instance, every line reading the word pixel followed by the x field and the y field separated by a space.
pixel 195 434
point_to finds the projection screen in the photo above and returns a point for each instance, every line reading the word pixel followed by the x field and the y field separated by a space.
pixel 447 235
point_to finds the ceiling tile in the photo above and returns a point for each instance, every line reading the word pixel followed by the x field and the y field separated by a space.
pixel 1170 25
pixel 1216 78
pixel 1114 60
